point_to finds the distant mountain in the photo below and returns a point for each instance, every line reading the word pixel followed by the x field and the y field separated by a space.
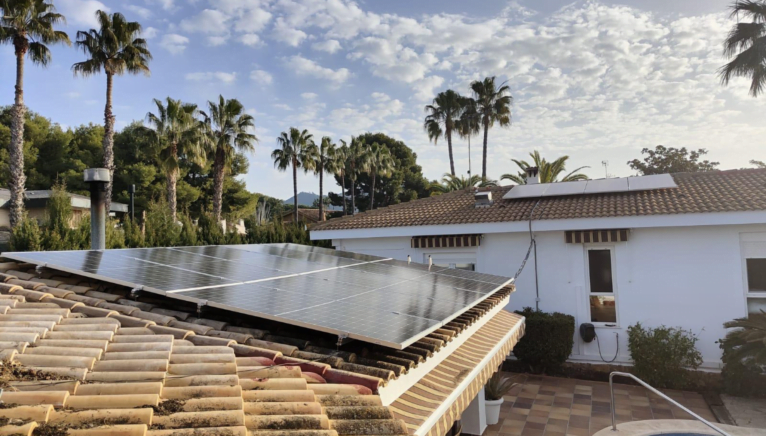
pixel 307 199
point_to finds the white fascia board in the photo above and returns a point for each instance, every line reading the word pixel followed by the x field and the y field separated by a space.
pixel 677 220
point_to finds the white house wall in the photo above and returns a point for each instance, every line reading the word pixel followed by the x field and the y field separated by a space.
pixel 689 277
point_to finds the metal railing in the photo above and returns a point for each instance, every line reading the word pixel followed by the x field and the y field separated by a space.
pixel 647 386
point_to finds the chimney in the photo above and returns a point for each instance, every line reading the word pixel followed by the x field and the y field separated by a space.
pixel 97 178
pixel 482 198
pixel 533 176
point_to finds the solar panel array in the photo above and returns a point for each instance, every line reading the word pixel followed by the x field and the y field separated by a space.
pixel 601 186
pixel 370 298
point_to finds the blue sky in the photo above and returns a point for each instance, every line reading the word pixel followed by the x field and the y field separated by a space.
pixel 594 80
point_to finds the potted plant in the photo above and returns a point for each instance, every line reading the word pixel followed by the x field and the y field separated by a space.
pixel 494 391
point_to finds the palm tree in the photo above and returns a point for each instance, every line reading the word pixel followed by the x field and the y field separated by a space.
pixel 28 26
pixel 176 132
pixel 452 183
pixel 297 150
pixel 227 129
pixel 549 171
pixel 338 167
pixel 115 48
pixel 468 125
pixel 746 43
pixel 748 342
pixel 493 105
pixel 325 157
pixel 379 162
pixel 441 119
pixel 357 161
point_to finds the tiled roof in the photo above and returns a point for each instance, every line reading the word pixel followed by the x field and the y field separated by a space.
pixel 720 191
pixel 121 361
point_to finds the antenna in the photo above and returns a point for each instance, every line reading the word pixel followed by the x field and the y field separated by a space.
pixel 605 163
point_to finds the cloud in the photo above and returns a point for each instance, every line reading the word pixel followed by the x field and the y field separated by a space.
pixel 215 41
pixel 149 33
pixel 380 97
pixel 174 43
pixel 81 12
pixel 307 67
pixel 72 94
pixel 282 106
pixel 261 76
pixel 250 39
pixel 425 89
pixel 284 33
pixel 252 20
pixel 309 96
pixel 208 21
pixel 330 46
pixel 218 76
pixel 164 4
pixel 142 12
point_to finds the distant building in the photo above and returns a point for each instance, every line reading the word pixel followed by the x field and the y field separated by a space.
pixel 308 216
pixel 36 202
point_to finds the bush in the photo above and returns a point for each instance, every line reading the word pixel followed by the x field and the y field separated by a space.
pixel 547 341
pixel 134 238
pixel 26 236
pixel 663 356
pixel 188 236
pixel 59 210
pixel 210 232
pixel 161 230
pixel 115 238
pixel 744 356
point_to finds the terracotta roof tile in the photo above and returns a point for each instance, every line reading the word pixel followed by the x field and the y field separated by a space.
pixel 719 191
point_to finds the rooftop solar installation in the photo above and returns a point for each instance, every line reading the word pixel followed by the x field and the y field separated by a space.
pixel 598 186
pixel 357 296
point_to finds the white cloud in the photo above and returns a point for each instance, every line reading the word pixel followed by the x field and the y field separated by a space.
pixel 218 76
pixel 380 97
pixel 425 89
pixel 81 12
pixel 307 67
pixel 164 4
pixel 149 33
pixel 309 96
pixel 282 106
pixel 252 21
pixel 142 12
pixel 330 46
pixel 250 39
pixel 209 21
pixel 174 43
pixel 261 76
pixel 286 34
pixel 215 41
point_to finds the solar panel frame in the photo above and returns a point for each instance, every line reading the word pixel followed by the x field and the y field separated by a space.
pixel 651 182
pixel 527 191
pixel 308 282
pixel 601 186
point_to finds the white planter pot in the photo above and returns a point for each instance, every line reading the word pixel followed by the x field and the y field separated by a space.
pixel 492 407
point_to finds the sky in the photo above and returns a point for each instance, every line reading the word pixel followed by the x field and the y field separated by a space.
pixel 594 80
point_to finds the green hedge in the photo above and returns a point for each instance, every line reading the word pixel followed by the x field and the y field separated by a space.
pixel 664 356
pixel 547 341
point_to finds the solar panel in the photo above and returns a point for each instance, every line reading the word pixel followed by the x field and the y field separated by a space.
pixel 606 185
pixel 599 186
pixel 370 298
pixel 527 191
pixel 566 188
pixel 655 181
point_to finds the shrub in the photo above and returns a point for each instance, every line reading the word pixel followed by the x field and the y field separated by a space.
pixel 210 232
pixel 744 356
pixel 26 236
pixel 188 236
pixel 134 238
pixel 547 341
pixel 115 238
pixel 161 230
pixel 59 210
pixel 663 356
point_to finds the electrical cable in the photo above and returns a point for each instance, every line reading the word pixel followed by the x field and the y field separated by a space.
pixel 532 248
pixel 598 343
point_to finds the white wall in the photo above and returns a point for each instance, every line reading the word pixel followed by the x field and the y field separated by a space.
pixel 689 277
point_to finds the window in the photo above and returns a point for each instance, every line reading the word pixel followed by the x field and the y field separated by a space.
pixel 601 286
pixel 756 284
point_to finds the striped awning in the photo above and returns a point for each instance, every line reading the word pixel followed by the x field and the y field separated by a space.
pixel 433 404
pixel 590 236
pixel 445 241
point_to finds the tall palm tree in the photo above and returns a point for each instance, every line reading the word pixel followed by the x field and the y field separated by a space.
pixel 441 119
pixel 379 162
pixel 338 168
pixel 452 183
pixel 28 26
pixel 357 162
pixel 469 125
pixel 493 105
pixel 746 43
pixel 296 150
pixel 748 342
pixel 325 158
pixel 549 171
pixel 176 132
pixel 115 48
pixel 227 131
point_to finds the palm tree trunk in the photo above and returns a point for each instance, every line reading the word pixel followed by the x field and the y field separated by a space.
pixel 353 198
pixel 218 169
pixel 109 141
pixel 172 182
pixel 484 152
pixel 295 192
pixel 16 151
pixel 449 147
pixel 321 195
pixel 343 187
pixel 372 192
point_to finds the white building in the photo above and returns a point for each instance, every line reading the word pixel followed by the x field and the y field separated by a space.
pixel 690 253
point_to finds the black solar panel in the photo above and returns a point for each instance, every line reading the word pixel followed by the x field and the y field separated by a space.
pixel 364 297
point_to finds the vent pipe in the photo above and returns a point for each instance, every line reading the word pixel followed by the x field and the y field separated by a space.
pixel 97 178
pixel 533 175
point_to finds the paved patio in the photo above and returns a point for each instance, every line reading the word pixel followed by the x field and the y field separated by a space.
pixel 551 406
